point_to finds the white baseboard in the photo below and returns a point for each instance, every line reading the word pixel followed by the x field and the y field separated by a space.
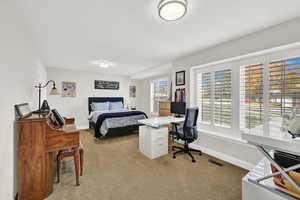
pixel 240 163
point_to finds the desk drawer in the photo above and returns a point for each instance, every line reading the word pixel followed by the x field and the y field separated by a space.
pixel 159 147
pixel 159 133
pixel 63 141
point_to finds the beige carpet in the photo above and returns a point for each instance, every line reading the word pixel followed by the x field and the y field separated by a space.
pixel 114 169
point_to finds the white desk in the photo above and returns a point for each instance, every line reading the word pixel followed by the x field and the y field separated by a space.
pixel 281 142
pixel 267 190
pixel 153 137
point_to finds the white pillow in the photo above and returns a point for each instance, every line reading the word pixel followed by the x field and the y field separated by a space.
pixel 100 106
pixel 116 105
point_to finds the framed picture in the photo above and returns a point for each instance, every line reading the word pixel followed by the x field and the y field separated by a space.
pixel 180 78
pixel 68 89
pixel 108 85
pixel 23 110
pixel 132 91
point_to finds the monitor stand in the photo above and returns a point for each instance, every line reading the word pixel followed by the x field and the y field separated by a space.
pixel 178 116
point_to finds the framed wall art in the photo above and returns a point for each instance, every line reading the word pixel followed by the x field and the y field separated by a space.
pixel 180 78
pixel 68 89
pixel 108 85
pixel 132 91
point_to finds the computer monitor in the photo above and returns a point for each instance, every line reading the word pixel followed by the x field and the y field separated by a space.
pixel 178 108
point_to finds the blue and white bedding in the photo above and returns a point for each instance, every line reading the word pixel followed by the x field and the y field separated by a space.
pixel 121 118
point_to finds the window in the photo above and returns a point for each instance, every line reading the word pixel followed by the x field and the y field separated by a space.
pixel 159 92
pixel 259 93
pixel 214 98
pixel 282 78
pixel 284 91
pixel 251 97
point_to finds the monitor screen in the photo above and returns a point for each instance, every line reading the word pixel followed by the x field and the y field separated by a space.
pixel 178 108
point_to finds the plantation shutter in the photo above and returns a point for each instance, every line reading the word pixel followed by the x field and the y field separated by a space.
pixel 284 90
pixel 251 98
pixel 214 98
pixel 222 98
pixel 204 97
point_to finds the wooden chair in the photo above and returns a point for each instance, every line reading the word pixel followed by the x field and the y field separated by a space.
pixel 68 153
pixel 78 166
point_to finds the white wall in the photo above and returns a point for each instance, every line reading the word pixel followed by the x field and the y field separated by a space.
pixel 279 35
pixel 78 106
pixel 20 70
pixel 283 34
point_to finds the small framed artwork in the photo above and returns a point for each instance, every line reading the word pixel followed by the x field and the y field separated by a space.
pixel 68 89
pixel 132 91
pixel 180 78
pixel 108 85
pixel 23 110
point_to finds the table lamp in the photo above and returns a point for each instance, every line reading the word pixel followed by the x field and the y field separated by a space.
pixel 40 86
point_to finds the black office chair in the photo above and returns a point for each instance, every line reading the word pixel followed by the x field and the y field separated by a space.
pixel 188 133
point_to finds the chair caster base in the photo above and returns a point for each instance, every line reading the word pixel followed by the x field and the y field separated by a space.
pixel 193 161
pixel 174 156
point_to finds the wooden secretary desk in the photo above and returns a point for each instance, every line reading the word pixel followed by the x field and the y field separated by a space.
pixel 38 141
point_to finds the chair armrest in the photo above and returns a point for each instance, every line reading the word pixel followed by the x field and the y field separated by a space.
pixel 69 120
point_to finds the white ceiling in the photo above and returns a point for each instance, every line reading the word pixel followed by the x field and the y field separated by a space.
pixel 71 33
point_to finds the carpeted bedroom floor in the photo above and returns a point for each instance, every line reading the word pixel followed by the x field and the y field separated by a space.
pixel 114 169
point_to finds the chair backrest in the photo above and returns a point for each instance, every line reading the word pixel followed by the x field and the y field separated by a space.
pixel 190 122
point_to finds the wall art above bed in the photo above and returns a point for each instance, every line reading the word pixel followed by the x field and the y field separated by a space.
pixel 108 85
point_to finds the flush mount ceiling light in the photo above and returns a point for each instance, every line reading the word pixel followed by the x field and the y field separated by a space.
pixel 102 63
pixel 171 10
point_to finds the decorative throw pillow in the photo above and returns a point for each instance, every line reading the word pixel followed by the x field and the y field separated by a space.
pixel 116 105
pixel 100 106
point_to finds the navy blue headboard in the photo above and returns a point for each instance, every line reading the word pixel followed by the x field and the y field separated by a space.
pixel 103 99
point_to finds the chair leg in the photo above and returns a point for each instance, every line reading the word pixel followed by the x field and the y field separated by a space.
pixel 81 152
pixel 193 159
pixel 176 147
pixel 76 162
pixel 195 150
pixel 187 150
pixel 180 151
pixel 58 163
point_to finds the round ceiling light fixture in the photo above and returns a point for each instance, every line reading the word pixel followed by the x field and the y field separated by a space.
pixel 171 10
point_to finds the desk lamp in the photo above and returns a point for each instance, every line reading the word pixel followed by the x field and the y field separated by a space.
pixel 53 91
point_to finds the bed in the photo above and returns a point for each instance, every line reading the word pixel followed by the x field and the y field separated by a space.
pixel 113 120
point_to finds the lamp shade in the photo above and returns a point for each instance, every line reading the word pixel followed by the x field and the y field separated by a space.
pixel 54 91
